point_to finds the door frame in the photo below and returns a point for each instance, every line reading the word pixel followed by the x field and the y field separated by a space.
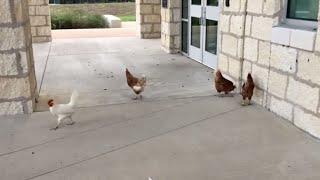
pixel 202 55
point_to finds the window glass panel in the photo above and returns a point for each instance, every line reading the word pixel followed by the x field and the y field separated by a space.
pixel 212 2
pixel 196 2
pixel 185 9
pixel 195 32
pixel 303 9
pixel 184 37
pixel 211 36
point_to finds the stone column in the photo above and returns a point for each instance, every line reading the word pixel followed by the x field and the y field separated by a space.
pixel 17 76
pixel 171 27
pixel 40 20
pixel 148 18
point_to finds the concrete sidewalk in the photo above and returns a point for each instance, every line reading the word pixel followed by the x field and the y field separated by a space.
pixel 181 139
pixel 179 131
pixel 96 68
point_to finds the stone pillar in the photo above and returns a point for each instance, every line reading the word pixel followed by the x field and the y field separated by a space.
pixel 40 20
pixel 171 27
pixel 17 76
pixel 148 18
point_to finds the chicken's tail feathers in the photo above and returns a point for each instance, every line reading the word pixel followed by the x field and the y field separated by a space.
pixel 74 98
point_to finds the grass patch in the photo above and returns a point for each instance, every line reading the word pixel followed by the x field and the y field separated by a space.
pixel 76 19
pixel 128 18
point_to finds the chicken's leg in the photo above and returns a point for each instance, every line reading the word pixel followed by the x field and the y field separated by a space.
pixel 71 121
pixel 59 122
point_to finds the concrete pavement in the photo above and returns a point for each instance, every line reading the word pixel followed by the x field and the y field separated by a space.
pixel 186 138
pixel 96 68
pixel 179 131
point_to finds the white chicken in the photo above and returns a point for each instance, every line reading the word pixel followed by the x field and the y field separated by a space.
pixel 63 111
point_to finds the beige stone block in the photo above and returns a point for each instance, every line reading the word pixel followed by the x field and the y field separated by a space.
pixel 234 68
pixel 277 84
pixel 8 65
pixel 32 10
pixel 283 58
pixel 248 25
pixel 5 15
pixel 11 108
pixel 38 20
pixel 234 6
pixel 303 95
pixel 11 38
pixel 271 7
pixel 247 66
pixel 260 76
pixel 14 88
pixel 42 10
pixel 224 23
pixel 157 9
pixel 261 28
pixel 44 31
pixel 309 67
pixel 236 25
pixel 24 62
pixel 37 2
pixel 259 97
pixel 317 42
pixel 223 63
pixel 152 1
pixel 174 4
pixel 255 6
pixel 264 53
pixel 229 44
pixel 307 122
pixel 146 9
pixel 152 19
pixel 176 13
pixel 251 49
pixel 175 29
pixel 39 39
pixel 240 48
pixel 281 108
pixel 156 28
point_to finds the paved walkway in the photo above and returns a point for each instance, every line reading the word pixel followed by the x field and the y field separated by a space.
pixel 179 131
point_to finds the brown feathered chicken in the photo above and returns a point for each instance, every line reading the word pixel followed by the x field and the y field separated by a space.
pixel 222 84
pixel 136 84
pixel 247 90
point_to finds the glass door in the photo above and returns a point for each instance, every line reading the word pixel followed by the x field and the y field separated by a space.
pixel 204 15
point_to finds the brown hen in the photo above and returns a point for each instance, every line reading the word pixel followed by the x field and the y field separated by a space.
pixel 247 90
pixel 222 84
pixel 136 84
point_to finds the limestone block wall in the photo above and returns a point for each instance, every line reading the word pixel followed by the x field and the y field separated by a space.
pixel 231 29
pixel 171 27
pixel 148 14
pixel 287 76
pixel 17 76
pixel 40 20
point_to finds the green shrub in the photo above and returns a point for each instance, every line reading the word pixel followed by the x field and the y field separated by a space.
pixel 69 19
pixel 128 18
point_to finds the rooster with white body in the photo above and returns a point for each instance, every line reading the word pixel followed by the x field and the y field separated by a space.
pixel 63 111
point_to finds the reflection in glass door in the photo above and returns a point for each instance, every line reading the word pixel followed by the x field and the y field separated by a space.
pixel 204 31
